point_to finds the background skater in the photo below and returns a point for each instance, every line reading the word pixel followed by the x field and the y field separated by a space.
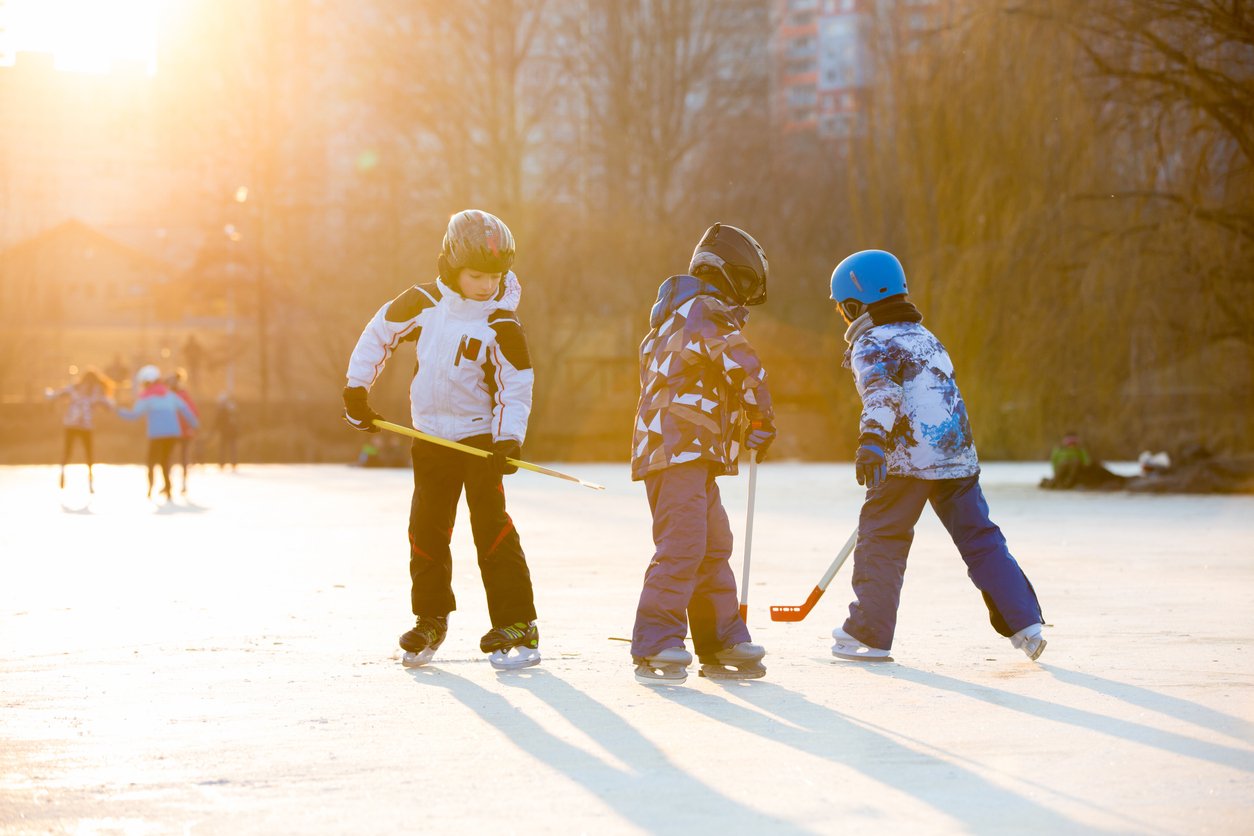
pixel 91 390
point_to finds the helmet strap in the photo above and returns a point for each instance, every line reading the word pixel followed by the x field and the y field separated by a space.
pixel 851 309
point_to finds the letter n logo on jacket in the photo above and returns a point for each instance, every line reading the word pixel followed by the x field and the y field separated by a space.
pixel 468 349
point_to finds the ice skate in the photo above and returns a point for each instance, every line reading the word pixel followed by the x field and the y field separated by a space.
pixel 513 646
pixel 666 667
pixel 1030 640
pixel 421 643
pixel 847 647
pixel 740 661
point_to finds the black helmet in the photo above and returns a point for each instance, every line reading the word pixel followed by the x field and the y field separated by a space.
pixel 478 240
pixel 740 259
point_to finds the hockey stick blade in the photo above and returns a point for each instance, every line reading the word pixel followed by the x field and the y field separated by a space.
pixel 786 613
pixel 483 454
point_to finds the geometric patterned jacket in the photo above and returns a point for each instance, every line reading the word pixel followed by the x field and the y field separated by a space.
pixel 910 400
pixel 700 381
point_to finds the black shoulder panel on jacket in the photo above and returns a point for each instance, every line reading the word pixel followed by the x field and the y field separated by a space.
pixel 413 302
pixel 511 339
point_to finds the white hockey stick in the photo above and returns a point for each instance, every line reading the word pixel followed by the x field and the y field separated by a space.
pixel 744 575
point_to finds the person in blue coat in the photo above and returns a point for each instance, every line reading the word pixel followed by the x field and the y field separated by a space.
pixel 915 447
pixel 162 408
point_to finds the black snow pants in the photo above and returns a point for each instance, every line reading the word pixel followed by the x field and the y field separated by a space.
pixel 439 476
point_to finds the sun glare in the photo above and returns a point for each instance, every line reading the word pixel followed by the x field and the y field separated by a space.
pixel 83 35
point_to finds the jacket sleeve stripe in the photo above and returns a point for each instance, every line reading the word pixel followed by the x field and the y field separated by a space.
pixel 500 391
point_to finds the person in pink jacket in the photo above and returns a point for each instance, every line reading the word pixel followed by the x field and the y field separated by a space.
pixel 182 454
pixel 92 389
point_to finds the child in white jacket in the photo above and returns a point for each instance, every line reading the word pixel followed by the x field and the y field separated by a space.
pixel 472 384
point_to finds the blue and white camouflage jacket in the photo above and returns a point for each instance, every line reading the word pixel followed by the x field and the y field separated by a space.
pixel 910 400
pixel 700 380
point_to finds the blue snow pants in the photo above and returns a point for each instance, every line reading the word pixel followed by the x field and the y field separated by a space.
pixel 885 532
pixel 689 580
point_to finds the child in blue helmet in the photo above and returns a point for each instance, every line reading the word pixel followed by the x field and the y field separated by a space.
pixel 915 446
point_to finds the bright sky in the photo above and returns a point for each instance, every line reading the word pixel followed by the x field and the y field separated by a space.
pixel 83 35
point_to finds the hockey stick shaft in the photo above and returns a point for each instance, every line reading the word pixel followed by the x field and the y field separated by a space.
pixel 744 575
pixel 483 454
pixel 798 613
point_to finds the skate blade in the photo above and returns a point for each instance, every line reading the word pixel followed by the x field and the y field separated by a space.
pixel 1040 648
pixel 725 672
pixel 646 675
pixel 417 660
pixel 503 661
pixel 860 653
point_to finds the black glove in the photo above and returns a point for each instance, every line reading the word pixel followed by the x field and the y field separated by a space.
pixel 357 411
pixel 506 448
pixel 869 464
pixel 761 434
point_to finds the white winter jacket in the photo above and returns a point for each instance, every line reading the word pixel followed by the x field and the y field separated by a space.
pixel 473 375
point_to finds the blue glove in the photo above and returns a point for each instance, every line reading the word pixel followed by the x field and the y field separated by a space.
pixel 761 434
pixel 869 464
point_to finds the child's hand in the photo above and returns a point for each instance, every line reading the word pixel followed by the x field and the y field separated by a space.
pixel 869 465
pixel 357 411
pixel 761 434
pixel 506 448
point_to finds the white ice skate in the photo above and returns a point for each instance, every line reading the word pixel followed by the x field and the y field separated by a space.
pixel 513 646
pixel 1030 640
pixel 514 658
pixel 417 660
pixel 740 661
pixel 847 647
pixel 666 667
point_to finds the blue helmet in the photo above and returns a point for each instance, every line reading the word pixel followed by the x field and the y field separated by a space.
pixel 866 277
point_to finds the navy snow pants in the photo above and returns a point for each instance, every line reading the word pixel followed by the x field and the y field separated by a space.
pixel 689 580
pixel 439 476
pixel 885 532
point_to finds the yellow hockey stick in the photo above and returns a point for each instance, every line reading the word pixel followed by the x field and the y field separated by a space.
pixel 475 451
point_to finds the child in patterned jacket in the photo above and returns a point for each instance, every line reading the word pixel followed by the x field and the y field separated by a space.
pixel 92 389
pixel 915 446
pixel 472 384
pixel 699 382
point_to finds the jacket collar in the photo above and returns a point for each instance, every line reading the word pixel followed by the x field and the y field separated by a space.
pixel 856 329
pixel 859 327
pixel 507 298
pixel 677 290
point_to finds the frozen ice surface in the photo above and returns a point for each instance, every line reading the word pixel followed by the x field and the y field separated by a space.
pixel 228 664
